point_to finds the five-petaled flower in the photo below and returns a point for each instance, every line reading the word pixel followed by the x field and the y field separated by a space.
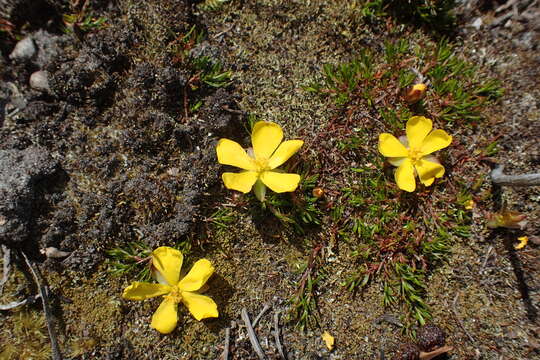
pixel 166 265
pixel 413 154
pixel 260 165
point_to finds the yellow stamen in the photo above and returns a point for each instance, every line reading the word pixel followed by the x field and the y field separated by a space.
pixel 415 155
pixel 262 165
pixel 174 295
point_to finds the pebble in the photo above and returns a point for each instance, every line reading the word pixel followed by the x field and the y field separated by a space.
pixel 52 252
pixel 40 81
pixel 24 50
pixel 477 24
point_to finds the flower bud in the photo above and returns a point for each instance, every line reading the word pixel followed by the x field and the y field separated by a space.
pixel 318 192
pixel 415 93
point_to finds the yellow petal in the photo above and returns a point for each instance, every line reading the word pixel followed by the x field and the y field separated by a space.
pixel 284 152
pixel 242 182
pixel 141 290
pixel 428 171
pixel 428 182
pixel 231 153
pixel 418 127
pixel 265 138
pixel 328 340
pixel 280 182
pixel 389 146
pixel 523 240
pixel 197 276
pixel 200 306
pixel 168 262
pixel 405 176
pixel 396 161
pixel 166 316
pixel 436 140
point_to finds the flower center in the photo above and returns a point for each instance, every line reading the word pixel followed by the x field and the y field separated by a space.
pixel 262 165
pixel 415 155
pixel 174 295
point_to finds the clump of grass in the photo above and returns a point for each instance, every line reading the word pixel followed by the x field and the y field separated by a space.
pixel 456 93
pixel 82 23
pixel 435 15
pixel 395 238
pixel 210 73
pixel 221 218
pixel 135 256
pixel 205 73
pixel 343 81
pixel 301 209
pixel 304 311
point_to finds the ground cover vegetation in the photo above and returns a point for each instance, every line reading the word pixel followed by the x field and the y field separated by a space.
pixel 140 183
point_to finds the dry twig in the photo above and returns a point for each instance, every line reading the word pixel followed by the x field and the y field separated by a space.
pixel 44 294
pixel 225 355
pixel 263 311
pixel 252 336
pixel 486 258
pixel 6 267
pixel 276 336
pixel 15 304
pixel 499 178
pixel 433 354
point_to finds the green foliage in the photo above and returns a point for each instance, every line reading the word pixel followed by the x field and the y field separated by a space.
pixel 433 14
pixel 304 306
pixel 372 10
pixel 205 73
pixel 134 259
pixel 211 73
pixel 411 288
pixel 135 256
pixel 222 218
pixel 456 92
pixel 300 210
pixel 341 81
pixel 451 80
pixel 84 24
pixel 437 248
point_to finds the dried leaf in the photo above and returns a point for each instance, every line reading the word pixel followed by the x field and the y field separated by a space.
pixel 328 340
pixel 507 219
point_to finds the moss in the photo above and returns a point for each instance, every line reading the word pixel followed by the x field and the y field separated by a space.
pixel 24 332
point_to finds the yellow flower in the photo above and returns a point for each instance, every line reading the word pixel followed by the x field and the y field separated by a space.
pixel 166 263
pixel 469 205
pixel 260 166
pixel 523 240
pixel 413 156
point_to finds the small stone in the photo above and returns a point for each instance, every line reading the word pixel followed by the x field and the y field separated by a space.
pixel 52 252
pixel 430 337
pixel 40 81
pixel 477 24
pixel 24 50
